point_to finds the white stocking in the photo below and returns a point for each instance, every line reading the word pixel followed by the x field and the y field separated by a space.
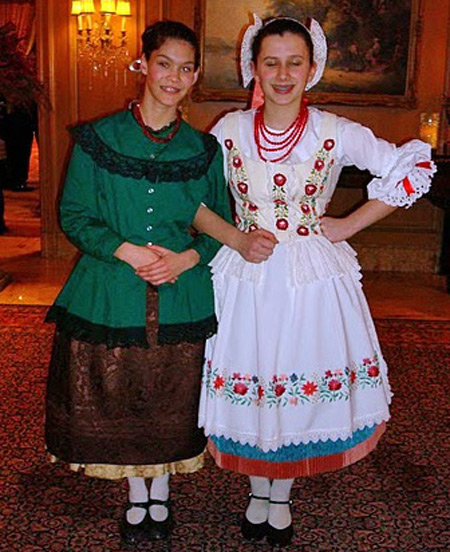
pixel 280 514
pixel 159 490
pixel 258 510
pixel 138 493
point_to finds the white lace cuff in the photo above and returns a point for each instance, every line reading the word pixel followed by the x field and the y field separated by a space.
pixel 409 178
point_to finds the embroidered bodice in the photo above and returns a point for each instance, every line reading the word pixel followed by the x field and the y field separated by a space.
pixel 287 199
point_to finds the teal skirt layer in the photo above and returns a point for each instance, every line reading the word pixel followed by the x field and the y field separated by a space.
pixel 292 453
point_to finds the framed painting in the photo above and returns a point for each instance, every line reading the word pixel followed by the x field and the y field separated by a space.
pixel 372 48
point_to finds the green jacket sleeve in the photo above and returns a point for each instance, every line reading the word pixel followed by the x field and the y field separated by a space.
pixel 79 210
pixel 217 200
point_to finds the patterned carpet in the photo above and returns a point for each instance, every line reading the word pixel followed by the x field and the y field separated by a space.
pixel 397 499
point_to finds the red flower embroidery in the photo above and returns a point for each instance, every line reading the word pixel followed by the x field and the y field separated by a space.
pixel 279 179
pixel 219 382
pixel 367 360
pixel 373 371
pixel 306 209
pixel 260 392
pixel 279 389
pixel 309 388
pixel 236 375
pixel 310 189
pixel 328 374
pixel 352 376
pixel 279 202
pixel 334 385
pixel 328 144
pixel 237 162
pixel 252 207
pixel 282 224
pixel 302 231
pixel 240 388
pixel 237 220
pixel 319 165
pixel 228 143
pixel 242 187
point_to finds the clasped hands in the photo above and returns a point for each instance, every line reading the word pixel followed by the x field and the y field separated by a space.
pixel 159 265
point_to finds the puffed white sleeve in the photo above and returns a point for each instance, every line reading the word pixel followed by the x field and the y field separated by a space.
pixel 402 174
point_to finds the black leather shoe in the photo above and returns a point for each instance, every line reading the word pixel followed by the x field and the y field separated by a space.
pixel 132 533
pixel 254 531
pixel 280 537
pixel 159 530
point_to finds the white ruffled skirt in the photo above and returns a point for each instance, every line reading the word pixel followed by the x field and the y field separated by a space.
pixel 296 359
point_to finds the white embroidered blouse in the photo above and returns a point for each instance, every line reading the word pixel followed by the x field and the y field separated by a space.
pixel 355 145
pixel 289 198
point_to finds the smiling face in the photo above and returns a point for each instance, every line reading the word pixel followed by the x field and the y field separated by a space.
pixel 169 74
pixel 283 69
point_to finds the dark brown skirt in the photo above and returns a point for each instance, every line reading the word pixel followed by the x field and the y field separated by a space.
pixel 124 406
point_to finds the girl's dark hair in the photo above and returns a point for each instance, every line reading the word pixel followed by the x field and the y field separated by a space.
pixel 155 35
pixel 279 27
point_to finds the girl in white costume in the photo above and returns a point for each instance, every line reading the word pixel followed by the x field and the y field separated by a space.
pixel 294 381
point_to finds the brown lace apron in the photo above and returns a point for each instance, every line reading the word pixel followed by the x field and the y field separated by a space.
pixel 125 406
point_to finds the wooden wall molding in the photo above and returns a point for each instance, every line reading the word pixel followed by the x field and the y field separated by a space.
pixel 53 42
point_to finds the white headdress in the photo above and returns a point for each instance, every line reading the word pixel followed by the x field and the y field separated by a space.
pixel 319 45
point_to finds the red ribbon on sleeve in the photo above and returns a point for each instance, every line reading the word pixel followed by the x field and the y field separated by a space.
pixel 424 165
pixel 407 185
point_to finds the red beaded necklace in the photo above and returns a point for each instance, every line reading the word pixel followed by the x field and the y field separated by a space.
pixel 286 140
pixel 136 110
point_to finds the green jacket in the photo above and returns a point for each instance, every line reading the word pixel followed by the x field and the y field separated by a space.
pixel 121 186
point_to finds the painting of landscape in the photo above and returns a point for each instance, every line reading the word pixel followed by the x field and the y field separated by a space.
pixel 371 47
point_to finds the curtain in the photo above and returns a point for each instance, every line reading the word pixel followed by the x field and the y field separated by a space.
pixel 22 14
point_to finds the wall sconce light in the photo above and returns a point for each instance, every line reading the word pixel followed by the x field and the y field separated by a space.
pixel 124 10
pixel 96 36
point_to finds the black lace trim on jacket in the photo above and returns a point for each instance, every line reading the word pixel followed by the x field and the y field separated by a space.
pixel 96 334
pixel 84 330
pixel 134 167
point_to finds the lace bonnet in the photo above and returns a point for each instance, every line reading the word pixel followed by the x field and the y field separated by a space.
pixel 317 36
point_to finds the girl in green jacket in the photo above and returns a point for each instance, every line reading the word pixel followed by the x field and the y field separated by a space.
pixel 125 371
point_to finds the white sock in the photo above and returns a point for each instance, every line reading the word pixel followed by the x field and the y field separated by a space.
pixel 258 510
pixel 138 493
pixel 280 514
pixel 159 490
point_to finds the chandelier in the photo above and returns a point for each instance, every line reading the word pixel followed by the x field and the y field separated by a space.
pixel 99 40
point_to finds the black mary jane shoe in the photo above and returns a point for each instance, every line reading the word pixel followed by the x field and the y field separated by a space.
pixel 132 533
pixel 280 537
pixel 159 530
pixel 254 531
